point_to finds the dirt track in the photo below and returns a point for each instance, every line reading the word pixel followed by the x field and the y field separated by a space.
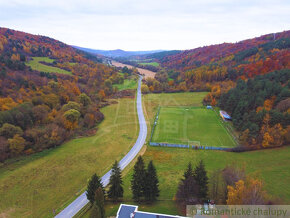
pixel 147 73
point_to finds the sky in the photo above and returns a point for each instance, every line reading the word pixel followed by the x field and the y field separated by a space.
pixel 146 24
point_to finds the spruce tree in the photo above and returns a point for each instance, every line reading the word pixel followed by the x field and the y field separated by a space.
pixel 100 201
pixel 201 179
pixel 187 192
pixel 188 171
pixel 152 190
pixel 93 185
pixel 138 180
pixel 95 212
pixel 115 185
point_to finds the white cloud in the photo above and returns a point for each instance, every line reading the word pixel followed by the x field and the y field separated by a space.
pixel 146 25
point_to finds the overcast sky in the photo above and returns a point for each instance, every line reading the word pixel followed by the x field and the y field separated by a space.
pixel 146 24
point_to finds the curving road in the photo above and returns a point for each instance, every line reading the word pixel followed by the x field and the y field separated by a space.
pixel 82 200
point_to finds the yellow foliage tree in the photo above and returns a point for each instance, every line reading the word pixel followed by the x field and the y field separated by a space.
pixel 15 57
pixel 268 103
pixel 236 194
pixel 267 140
pixel 16 144
pixel 278 133
pixel 249 192
pixel 7 103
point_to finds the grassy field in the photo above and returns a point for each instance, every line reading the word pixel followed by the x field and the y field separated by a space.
pixel 35 65
pixel 271 165
pixel 36 185
pixel 155 64
pixel 128 84
pixel 188 125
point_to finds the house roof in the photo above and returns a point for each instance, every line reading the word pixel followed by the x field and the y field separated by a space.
pixel 125 211
pixel 140 214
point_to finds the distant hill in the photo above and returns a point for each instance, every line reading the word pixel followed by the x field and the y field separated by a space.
pixel 274 46
pixel 160 55
pixel 117 52
pixel 219 67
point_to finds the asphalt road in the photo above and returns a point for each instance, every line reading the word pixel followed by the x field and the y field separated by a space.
pixel 82 200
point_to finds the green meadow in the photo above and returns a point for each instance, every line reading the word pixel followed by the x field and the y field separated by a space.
pixel 36 65
pixel 128 84
pixel 37 185
pixel 271 165
pixel 155 64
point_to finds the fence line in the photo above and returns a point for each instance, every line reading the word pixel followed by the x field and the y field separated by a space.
pixel 228 129
pixel 154 124
pixel 156 144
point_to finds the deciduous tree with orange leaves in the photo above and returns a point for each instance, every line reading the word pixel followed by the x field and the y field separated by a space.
pixel 249 192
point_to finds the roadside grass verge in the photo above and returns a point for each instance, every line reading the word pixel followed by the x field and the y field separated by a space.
pixel 36 185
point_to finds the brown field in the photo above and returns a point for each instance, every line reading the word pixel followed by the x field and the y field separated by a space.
pixel 147 73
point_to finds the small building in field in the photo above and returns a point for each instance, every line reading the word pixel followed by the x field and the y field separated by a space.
pixel 208 107
pixel 225 115
pixel 131 211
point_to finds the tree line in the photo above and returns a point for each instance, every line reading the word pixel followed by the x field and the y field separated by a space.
pixel 144 185
pixel 230 185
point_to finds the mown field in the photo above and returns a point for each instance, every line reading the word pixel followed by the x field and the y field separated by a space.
pixel 128 84
pixel 38 185
pixel 192 126
pixel 271 165
pixel 155 64
pixel 35 65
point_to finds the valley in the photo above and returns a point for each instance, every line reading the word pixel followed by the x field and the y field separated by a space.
pixel 146 73
pixel 68 112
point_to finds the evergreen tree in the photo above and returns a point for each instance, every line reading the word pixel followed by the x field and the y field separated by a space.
pixel 95 212
pixel 100 201
pixel 187 192
pixel 115 185
pixel 138 181
pixel 93 185
pixel 201 179
pixel 188 171
pixel 152 190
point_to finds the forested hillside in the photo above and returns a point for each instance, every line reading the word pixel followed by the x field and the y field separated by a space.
pixel 205 67
pixel 260 109
pixel 249 79
pixel 39 110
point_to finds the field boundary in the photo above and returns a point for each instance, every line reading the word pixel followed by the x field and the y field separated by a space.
pixel 154 124
pixel 157 144
pixel 228 130
pixel 196 147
